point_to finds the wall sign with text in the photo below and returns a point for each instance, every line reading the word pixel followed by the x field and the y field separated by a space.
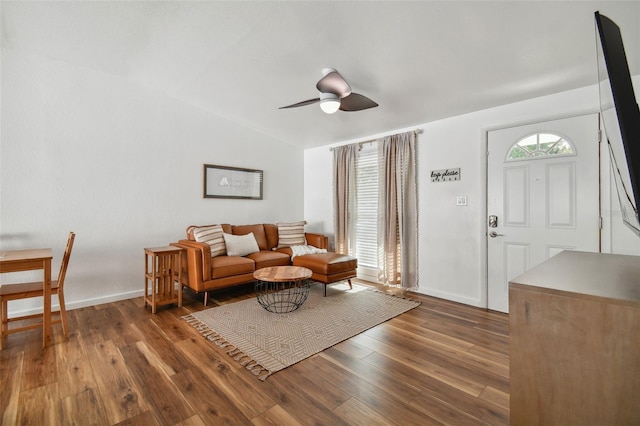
pixel 445 175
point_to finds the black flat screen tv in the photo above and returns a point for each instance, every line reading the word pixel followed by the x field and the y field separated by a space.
pixel 621 117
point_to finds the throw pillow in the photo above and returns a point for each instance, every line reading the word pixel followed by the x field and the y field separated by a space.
pixel 240 245
pixel 211 235
pixel 291 234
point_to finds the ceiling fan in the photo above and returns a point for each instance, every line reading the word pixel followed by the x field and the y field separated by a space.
pixel 335 93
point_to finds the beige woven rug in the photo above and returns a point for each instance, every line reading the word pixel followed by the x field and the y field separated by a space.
pixel 266 342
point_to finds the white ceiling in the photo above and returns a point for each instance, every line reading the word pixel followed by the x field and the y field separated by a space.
pixel 421 61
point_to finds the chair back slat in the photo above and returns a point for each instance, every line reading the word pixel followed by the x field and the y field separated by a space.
pixel 65 260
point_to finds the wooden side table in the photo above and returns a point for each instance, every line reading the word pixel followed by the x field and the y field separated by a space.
pixel 162 268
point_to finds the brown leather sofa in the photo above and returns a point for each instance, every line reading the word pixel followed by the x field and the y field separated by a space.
pixel 203 273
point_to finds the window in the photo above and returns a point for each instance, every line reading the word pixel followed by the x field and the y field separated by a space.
pixel 540 145
pixel 367 209
pixel 381 257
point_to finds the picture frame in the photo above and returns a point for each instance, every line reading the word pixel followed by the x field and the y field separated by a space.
pixel 232 182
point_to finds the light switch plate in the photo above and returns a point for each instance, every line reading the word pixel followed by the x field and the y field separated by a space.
pixel 461 200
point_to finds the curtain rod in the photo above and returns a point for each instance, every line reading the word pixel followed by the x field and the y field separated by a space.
pixel 415 132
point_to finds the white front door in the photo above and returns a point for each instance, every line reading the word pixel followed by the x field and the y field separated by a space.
pixel 542 197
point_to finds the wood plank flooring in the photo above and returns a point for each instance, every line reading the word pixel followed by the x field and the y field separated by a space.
pixel 441 363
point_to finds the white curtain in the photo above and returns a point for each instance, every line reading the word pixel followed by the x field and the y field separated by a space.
pixel 345 204
pixel 398 211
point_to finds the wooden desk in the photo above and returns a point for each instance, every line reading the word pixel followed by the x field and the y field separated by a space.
pixel 33 260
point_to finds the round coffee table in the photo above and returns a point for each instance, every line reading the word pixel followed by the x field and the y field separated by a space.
pixel 282 289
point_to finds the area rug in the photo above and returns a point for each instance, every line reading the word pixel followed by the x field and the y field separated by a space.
pixel 266 342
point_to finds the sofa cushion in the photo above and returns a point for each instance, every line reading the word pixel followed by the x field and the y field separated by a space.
pixel 264 259
pixel 271 231
pixel 286 250
pixel 240 245
pixel 211 235
pixel 291 234
pixel 228 266
pixel 256 230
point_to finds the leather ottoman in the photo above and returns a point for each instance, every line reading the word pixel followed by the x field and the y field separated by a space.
pixel 328 268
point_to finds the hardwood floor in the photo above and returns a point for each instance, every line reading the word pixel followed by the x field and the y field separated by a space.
pixel 441 363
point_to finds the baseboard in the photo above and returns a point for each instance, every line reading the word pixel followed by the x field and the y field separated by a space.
pixel 84 303
pixel 451 297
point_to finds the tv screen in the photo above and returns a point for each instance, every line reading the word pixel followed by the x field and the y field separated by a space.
pixel 621 118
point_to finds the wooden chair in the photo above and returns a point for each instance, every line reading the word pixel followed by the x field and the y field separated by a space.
pixel 35 289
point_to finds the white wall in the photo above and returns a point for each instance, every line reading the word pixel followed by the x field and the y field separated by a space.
pixel 121 166
pixel 452 241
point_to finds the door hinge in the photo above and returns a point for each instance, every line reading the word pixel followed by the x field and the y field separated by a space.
pixel 600 224
pixel 599 135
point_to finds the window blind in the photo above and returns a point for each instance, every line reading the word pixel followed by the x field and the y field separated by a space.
pixel 367 207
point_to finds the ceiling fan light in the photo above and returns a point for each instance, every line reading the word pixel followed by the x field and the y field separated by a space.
pixel 330 105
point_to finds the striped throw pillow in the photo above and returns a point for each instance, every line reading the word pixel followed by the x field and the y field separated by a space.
pixel 291 234
pixel 211 235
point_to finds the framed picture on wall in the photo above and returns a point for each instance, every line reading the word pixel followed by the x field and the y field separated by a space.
pixel 232 182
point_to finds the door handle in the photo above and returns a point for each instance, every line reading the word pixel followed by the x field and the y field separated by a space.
pixel 494 234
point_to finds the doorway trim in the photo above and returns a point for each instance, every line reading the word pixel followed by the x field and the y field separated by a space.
pixel 484 161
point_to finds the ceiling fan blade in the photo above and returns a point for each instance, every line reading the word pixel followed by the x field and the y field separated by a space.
pixel 334 83
pixel 356 102
pixel 303 103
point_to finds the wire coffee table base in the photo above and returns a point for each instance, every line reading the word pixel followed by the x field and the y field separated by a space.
pixel 282 289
